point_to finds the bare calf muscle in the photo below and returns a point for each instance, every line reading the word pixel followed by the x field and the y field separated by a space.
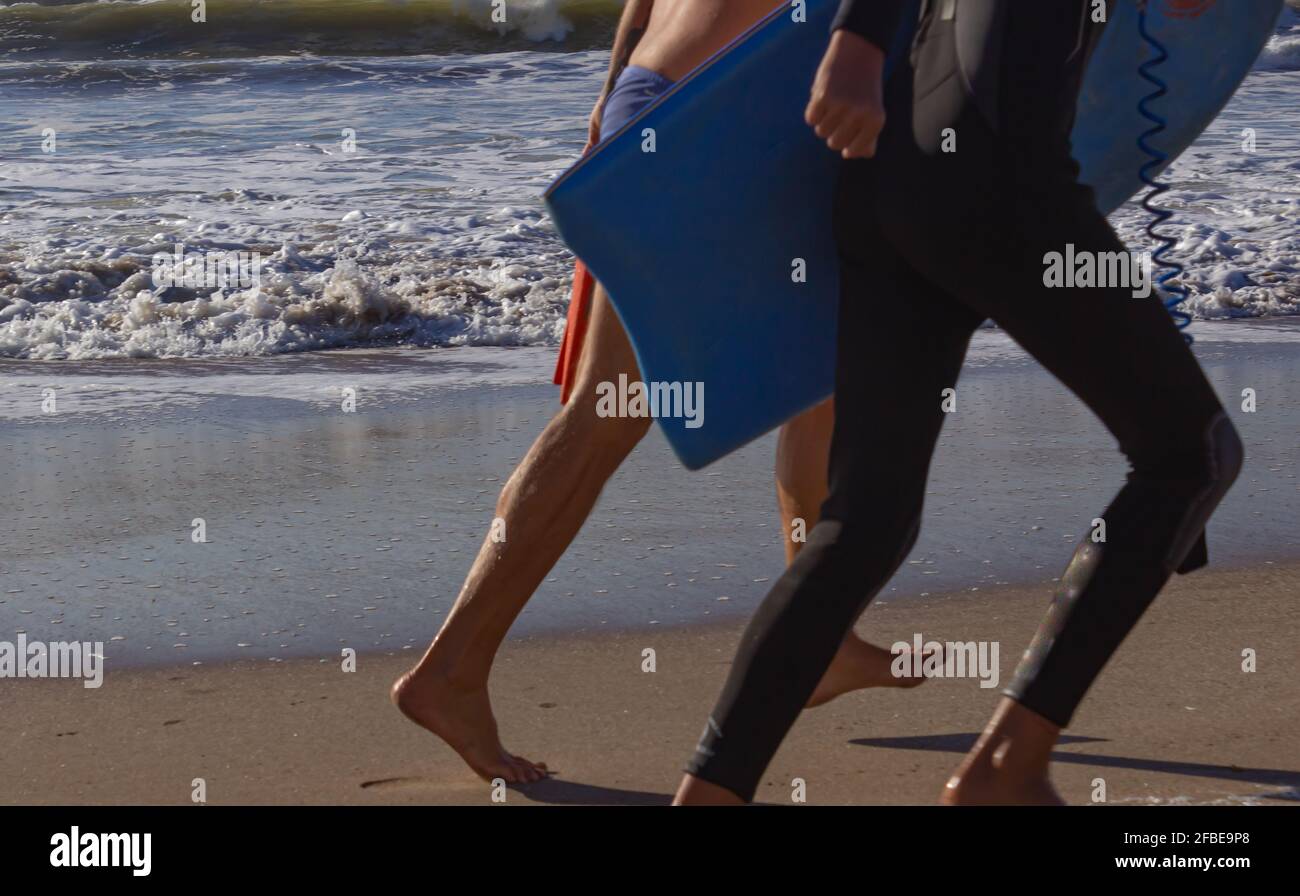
pixel 549 496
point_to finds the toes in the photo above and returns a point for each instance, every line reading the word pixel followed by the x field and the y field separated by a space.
pixel 539 766
pixel 523 771
pixel 507 773
pixel 502 768
pixel 512 769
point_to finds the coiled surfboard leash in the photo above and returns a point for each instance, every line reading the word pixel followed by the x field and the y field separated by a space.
pixel 1175 294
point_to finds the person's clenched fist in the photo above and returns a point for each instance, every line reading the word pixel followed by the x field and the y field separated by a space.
pixel 847 108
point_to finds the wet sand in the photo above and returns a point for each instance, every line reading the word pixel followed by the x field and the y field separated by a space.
pixel 1174 718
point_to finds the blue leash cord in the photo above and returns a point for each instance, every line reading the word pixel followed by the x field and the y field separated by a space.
pixel 1177 294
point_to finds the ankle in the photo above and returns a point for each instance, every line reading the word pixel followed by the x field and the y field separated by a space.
pixel 1002 763
pixel 437 673
pixel 1016 746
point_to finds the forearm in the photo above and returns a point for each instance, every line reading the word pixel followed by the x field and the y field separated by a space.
pixel 631 27
pixel 873 20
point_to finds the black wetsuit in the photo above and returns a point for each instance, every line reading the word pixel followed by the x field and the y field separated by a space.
pixel 931 244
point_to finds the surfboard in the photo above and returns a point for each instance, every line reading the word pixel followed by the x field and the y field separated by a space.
pixel 690 215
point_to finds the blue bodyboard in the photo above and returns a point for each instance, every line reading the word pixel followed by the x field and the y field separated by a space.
pixel 694 241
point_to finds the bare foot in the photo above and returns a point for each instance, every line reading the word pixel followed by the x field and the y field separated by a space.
pixel 464 720
pixel 986 787
pixel 1008 766
pixel 859 665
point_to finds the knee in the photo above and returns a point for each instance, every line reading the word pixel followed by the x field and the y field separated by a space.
pixel 1216 468
pixel 1216 461
pixel 608 436
pixel 1204 458
pixel 1174 491
pixel 1227 451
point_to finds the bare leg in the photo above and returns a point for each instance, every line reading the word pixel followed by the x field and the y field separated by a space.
pixel 544 504
pixel 802 451
pixel 1008 764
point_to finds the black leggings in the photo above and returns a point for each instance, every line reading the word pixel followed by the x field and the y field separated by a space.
pixel 932 243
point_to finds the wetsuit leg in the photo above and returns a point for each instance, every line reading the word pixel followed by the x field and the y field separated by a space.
pixel 892 387
pixel 976 223
pixel 1119 353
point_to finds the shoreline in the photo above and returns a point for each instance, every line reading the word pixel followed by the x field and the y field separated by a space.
pixel 1174 719
pixel 327 529
pixel 545 635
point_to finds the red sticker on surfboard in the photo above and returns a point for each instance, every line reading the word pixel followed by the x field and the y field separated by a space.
pixel 1185 9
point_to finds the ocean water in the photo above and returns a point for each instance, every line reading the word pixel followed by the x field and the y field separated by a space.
pixel 385 159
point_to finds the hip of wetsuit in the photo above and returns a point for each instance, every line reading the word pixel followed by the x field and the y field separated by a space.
pixel 977 132
pixel 1008 71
